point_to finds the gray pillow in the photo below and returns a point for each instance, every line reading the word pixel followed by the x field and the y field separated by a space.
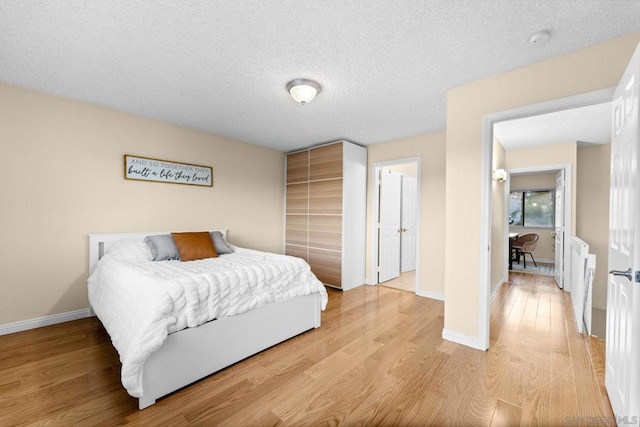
pixel 219 243
pixel 162 247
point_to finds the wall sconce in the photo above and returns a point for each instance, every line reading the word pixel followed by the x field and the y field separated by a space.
pixel 500 175
pixel 303 90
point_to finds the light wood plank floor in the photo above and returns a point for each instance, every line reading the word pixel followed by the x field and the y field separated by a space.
pixel 378 359
pixel 406 282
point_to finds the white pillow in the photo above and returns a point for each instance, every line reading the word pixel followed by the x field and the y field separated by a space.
pixel 130 250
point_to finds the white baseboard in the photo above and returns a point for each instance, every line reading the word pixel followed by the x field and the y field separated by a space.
pixel 430 294
pixel 496 288
pixel 369 281
pixel 459 338
pixel 39 322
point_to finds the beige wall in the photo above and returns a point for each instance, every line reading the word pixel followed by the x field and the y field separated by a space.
pixel 592 222
pixel 594 68
pixel 534 181
pixel 62 167
pixel 431 149
pixel 498 219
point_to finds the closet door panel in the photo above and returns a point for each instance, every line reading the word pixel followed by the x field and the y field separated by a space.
pixel 325 197
pixel 297 198
pixel 326 265
pixel 296 230
pixel 298 167
pixel 325 162
pixel 325 232
pixel 297 251
pixel 325 209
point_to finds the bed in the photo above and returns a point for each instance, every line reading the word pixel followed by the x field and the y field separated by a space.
pixel 178 358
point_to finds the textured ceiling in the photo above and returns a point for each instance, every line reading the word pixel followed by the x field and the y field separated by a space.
pixel 587 125
pixel 222 66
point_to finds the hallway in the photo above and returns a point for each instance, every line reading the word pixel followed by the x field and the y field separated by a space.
pixel 545 358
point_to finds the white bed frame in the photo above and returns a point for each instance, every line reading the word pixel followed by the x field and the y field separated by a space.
pixel 194 353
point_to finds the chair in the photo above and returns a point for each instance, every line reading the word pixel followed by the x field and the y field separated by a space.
pixel 524 245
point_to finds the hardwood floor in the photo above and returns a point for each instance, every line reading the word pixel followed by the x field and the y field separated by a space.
pixel 406 282
pixel 377 359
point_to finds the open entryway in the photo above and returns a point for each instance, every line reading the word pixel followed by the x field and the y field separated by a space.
pixel 538 210
pixel 536 160
pixel 623 299
pixel 396 217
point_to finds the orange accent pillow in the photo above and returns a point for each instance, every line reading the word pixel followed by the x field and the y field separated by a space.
pixel 194 246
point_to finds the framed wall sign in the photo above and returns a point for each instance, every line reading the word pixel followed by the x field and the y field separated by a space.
pixel 156 170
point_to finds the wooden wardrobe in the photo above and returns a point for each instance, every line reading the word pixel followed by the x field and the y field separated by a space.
pixel 326 198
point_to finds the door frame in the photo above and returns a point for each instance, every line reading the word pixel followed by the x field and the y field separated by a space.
pixel 568 195
pixel 375 201
pixel 488 120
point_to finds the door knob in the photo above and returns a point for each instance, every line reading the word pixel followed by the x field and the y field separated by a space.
pixel 628 273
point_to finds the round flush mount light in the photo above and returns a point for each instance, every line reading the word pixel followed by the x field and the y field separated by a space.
pixel 540 37
pixel 303 90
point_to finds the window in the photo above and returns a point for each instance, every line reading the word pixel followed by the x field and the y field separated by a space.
pixel 532 208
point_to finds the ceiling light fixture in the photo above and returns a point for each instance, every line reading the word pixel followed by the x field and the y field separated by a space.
pixel 303 90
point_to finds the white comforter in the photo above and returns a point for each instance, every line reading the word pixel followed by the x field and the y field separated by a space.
pixel 140 301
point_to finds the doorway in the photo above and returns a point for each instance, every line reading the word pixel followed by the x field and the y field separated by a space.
pixel 396 223
pixel 591 98
pixel 540 203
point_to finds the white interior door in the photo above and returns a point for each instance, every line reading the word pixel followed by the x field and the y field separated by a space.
pixel 389 225
pixel 409 221
pixel 559 231
pixel 622 375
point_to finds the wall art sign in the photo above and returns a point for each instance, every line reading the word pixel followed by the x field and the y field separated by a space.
pixel 156 170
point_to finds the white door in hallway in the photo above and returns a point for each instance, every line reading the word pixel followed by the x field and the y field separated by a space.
pixel 389 225
pixel 559 231
pixel 622 375
pixel 409 212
